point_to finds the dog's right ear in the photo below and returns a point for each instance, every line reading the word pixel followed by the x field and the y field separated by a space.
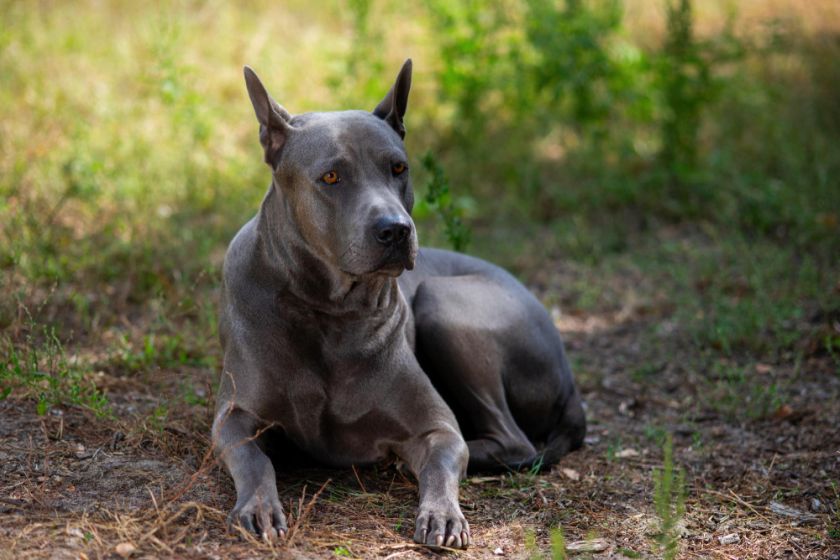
pixel 274 119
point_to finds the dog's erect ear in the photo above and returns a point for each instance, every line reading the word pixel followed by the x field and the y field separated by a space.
pixel 393 107
pixel 273 119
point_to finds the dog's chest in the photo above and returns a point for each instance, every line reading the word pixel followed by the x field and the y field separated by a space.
pixel 348 421
pixel 339 398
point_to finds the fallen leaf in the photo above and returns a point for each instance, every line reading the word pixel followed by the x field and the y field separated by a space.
pixel 786 511
pixel 763 368
pixel 125 549
pixel 571 474
pixel 625 453
pixel 783 412
pixel 591 545
pixel 732 538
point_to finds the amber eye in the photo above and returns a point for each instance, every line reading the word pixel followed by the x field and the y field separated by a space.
pixel 331 178
pixel 398 168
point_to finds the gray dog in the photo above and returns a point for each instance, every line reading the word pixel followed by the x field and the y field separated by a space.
pixel 454 365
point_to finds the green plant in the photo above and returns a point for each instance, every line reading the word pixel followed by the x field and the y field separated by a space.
pixel 613 447
pixel 342 551
pixel 656 434
pixel 439 199
pixel 158 350
pixel 735 392
pixel 669 501
pixel 834 524
pixel 557 543
pixel 40 369
pixel 157 418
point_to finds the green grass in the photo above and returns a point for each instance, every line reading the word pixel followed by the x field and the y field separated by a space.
pixel 41 370
pixel 557 545
pixel 669 501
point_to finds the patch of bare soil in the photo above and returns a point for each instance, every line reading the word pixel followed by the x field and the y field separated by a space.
pixel 74 486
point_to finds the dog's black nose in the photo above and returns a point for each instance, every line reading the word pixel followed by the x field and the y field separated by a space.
pixel 391 231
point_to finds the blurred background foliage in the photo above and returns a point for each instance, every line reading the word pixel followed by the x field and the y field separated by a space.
pixel 129 152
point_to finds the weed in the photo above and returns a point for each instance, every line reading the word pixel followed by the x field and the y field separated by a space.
pixel 41 370
pixel 157 419
pixel 342 551
pixel 439 199
pixel 613 447
pixel 157 350
pixel 558 545
pixel 645 372
pixel 669 501
pixel 735 392
pixel 193 396
pixel 531 545
pixel 656 434
pixel 831 342
pixel 834 524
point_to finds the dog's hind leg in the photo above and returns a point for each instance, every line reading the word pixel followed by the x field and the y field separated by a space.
pixel 492 352
pixel 463 357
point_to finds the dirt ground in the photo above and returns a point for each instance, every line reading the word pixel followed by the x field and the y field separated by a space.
pixel 75 486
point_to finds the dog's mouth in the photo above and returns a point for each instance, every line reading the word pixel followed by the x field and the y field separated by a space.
pixel 395 260
pixel 387 261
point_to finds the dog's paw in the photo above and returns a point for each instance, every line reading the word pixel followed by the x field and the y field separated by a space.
pixel 261 515
pixel 442 527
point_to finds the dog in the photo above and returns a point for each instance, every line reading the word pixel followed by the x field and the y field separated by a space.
pixel 351 344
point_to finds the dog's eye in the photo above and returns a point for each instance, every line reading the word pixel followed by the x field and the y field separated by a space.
pixel 331 178
pixel 398 168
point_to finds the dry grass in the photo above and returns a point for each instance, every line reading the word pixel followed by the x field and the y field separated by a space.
pixel 75 486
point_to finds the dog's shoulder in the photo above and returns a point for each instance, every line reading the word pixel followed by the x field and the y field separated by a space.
pixel 246 287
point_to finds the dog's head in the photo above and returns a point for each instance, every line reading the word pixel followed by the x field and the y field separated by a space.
pixel 344 178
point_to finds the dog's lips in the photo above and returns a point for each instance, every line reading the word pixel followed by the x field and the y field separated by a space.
pixel 396 260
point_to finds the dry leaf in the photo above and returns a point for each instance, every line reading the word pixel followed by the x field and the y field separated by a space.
pixel 786 511
pixel 571 474
pixel 591 545
pixel 783 412
pixel 732 538
pixel 125 549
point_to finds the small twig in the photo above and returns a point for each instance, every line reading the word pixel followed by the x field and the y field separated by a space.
pixel 302 515
pixel 359 480
pixel 734 497
pixel 772 462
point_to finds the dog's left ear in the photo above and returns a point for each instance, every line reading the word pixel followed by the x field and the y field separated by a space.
pixel 392 108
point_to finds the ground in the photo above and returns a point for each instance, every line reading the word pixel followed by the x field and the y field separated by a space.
pixel 754 430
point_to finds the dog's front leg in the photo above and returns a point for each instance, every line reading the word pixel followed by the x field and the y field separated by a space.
pixel 439 460
pixel 257 506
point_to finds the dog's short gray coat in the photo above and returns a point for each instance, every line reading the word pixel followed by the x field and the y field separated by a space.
pixel 348 343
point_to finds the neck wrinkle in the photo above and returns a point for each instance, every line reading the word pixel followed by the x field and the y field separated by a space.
pixel 304 278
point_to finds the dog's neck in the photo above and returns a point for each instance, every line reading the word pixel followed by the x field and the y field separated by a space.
pixel 303 275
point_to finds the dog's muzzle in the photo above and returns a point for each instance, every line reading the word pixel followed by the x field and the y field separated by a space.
pixel 394 234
